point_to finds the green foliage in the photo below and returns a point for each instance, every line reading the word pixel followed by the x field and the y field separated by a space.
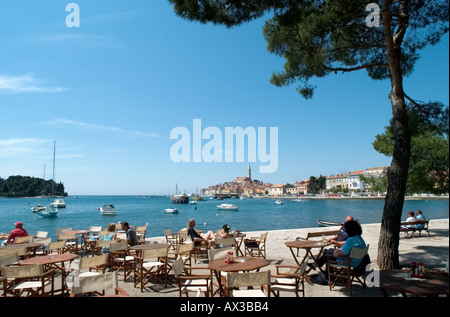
pixel 319 37
pixel 316 184
pixel 26 186
pixel 429 164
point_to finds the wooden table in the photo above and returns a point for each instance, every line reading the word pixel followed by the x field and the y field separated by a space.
pixel 307 245
pixel 51 261
pixel 244 264
pixel 432 285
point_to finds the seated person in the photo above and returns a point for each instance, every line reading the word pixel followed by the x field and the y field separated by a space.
pixel 19 231
pixel 411 218
pixel 419 216
pixel 131 234
pixel 338 240
pixel 226 232
pixel 354 231
pixel 196 238
pixel 108 235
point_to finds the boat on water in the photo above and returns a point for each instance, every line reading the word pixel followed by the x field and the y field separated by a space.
pixel 325 223
pixel 279 202
pixel 53 212
pixel 194 202
pixel 298 200
pixel 38 208
pixel 227 207
pixel 171 211
pixel 58 203
pixel 180 199
pixel 108 209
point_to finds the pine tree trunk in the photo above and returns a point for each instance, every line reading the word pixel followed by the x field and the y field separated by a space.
pixel 388 256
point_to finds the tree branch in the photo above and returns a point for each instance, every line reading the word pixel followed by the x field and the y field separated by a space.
pixel 351 69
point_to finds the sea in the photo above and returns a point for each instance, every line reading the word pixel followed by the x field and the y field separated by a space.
pixel 254 214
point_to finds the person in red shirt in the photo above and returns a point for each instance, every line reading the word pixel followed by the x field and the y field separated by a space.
pixel 18 232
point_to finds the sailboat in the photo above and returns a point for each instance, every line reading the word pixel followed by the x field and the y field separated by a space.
pixel 53 212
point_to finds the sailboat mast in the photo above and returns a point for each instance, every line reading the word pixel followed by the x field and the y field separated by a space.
pixel 53 179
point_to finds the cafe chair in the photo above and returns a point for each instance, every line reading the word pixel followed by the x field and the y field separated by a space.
pixel 107 283
pixel 96 262
pixel 21 251
pixel 61 230
pixel 151 264
pixel 249 279
pixel 342 268
pixel 190 283
pixel 225 242
pixel 58 247
pixel 27 239
pixel 184 251
pixel 120 258
pixel 91 239
pixel 215 254
pixel 27 280
pixel 140 233
pixel 171 239
pixel 102 246
pixel 71 242
pixel 40 235
pixel 291 281
pixel 256 246
pixel 7 260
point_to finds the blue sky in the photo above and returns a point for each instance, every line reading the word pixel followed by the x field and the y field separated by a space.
pixel 111 91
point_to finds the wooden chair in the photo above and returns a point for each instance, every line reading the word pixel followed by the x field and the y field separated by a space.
pixel 120 258
pixel 171 239
pixel 256 246
pixel 71 242
pixel 27 279
pixel 27 239
pixel 89 285
pixel 342 269
pixel 151 264
pixel 6 260
pixel 289 281
pixel 184 251
pixel 214 254
pixel 250 279
pixel 140 233
pixel 41 235
pixel 188 283
pixel 58 247
pixel 21 251
pixel 312 235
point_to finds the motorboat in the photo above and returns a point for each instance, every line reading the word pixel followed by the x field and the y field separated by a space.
pixel 171 211
pixel 108 209
pixel 194 202
pixel 279 202
pixel 38 208
pixel 325 223
pixel 227 207
pixel 58 203
pixel 53 212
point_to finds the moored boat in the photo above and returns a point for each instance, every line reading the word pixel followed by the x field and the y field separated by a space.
pixel 53 212
pixel 325 223
pixel 227 207
pixel 171 211
pixel 38 208
pixel 180 199
pixel 279 202
pixel 108 209
pixel 58 203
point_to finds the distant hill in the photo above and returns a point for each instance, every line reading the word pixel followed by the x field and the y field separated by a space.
pixel 26 186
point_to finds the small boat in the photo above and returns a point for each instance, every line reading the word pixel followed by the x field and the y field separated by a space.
pixel 325 223
pixel 58 203
pixel 108 209
pixel 227 207
pixel 298 200
pixel 171 211
pixel 48 213
pixel 194 202
pixel 279 202
pixel 38 208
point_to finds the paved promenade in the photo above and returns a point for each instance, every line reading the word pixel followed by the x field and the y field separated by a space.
pixel 433 251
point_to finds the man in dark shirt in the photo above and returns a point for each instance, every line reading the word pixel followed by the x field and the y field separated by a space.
pixel 131 234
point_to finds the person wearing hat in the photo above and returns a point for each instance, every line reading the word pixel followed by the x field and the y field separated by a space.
pixel 226 232
pixel 18 232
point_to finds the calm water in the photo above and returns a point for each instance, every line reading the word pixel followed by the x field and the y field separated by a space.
pixel 253 215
